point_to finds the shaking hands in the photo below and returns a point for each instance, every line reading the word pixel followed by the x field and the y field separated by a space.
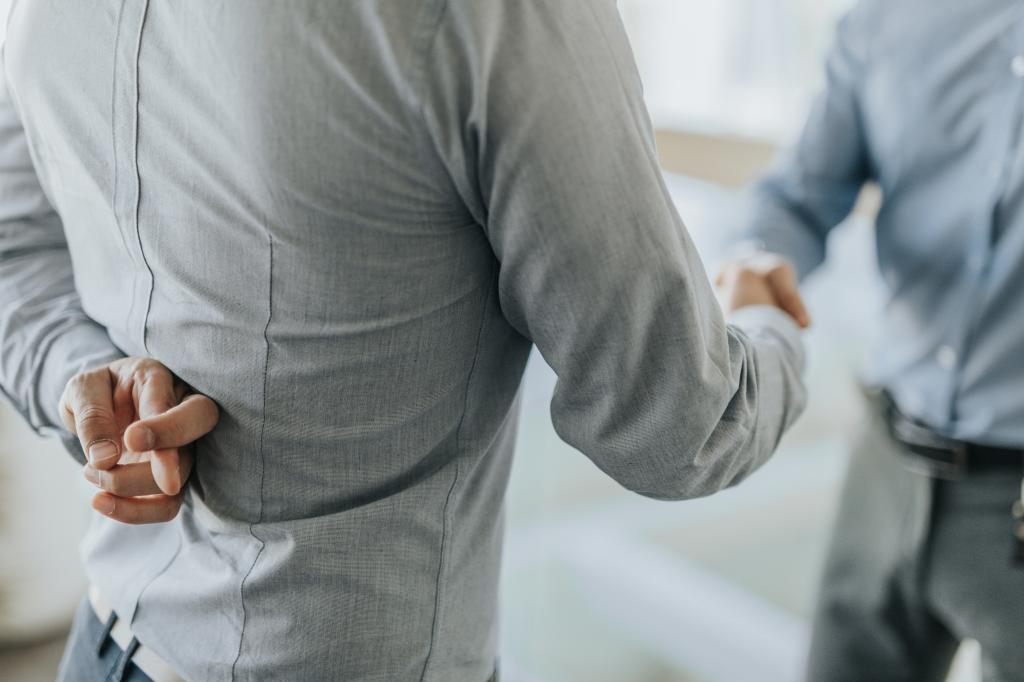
pixel 136 422
pixel 762 279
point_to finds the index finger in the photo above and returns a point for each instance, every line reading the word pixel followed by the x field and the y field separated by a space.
pixel 156 393
pixel 192 418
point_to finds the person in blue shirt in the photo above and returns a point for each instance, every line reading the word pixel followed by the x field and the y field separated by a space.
pixel 926 99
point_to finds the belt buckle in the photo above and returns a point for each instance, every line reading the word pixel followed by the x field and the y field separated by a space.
pixel 948 463
pixel 956 467
pixel 929 453
pixel 961 459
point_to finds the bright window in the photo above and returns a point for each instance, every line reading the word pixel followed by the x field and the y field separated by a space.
pixel 737 67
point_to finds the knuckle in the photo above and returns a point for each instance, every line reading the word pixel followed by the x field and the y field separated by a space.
pixel 93 418
pixel 150 367
pixel 79 382
pixel 76 383
pixel 112 483
pixel 138 374
pixel 139 368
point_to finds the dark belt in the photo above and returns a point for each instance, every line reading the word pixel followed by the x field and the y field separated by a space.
pixel 945 457
pixel 950 459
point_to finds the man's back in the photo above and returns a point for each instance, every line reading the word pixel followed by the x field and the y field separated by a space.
pixel 281 246
pixel 344 222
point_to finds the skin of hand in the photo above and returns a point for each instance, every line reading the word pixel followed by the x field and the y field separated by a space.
pixel 762 279
pixel 136 422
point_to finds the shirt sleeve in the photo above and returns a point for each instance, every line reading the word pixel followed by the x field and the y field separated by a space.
pixel 45 337
pixel 813 185
pixel 535 108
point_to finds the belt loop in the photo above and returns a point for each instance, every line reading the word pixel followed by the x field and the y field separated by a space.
pixel 117 675
pixel 105 633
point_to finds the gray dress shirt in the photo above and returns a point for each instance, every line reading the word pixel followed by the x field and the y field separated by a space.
pixel 348 223
pixel 925 97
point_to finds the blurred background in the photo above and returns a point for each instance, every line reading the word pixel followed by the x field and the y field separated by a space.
pixel 600 585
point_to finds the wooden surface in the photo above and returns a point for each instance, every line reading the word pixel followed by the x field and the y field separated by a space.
pixel 729 161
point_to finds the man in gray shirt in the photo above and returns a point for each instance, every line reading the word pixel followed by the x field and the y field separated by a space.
pixel 345 225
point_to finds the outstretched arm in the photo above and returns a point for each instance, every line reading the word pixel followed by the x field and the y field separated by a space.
pixel 535 108
pixel 813 185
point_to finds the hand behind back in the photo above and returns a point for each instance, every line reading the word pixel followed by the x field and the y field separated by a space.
pixel 137 423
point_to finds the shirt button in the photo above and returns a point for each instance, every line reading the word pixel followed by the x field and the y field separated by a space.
pixel 946 357
pixel 1017 65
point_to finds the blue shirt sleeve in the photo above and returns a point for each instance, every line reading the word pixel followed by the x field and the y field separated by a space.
pixel 814 184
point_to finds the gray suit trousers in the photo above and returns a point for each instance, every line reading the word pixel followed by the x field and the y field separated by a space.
pixel 916 565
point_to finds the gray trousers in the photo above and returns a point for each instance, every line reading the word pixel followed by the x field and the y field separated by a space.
pixel 916 565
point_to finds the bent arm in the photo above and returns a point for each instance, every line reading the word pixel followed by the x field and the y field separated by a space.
pixel 813 185
pixel 45 337
pixel 543 129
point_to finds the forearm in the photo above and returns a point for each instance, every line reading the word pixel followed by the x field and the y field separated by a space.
pixel 779 221
pixel 814 184
pixel 669 399
pixel 45 337
pixel 726 431
pixel 594 264
pixel 775 355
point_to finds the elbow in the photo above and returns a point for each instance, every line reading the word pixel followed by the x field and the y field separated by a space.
pixel 703 474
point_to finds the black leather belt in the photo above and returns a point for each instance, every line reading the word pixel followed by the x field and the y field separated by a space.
pixel 945 457
pixel 951 459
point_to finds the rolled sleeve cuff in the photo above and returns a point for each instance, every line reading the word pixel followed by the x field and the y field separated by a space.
pixel 760 320
pixel 73 351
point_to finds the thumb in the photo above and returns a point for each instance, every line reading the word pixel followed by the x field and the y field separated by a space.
pixel 191 419
pixel 87 407
pixel 787 293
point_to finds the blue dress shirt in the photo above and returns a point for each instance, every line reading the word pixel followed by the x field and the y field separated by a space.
pixel 925 98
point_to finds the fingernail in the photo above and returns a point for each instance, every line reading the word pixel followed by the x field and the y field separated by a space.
pixel 104 504
pixel 92 476
pixel 103 451
pixel 147 436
